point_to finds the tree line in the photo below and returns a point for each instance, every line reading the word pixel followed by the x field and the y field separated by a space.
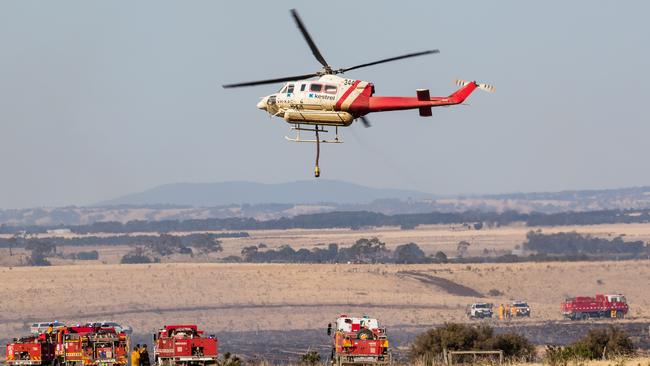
pixel 362 251
pixel 353 220
pixel 19 241
pixel 574 244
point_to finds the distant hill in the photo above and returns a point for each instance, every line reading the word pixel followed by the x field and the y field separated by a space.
pixel 226 193
pixel 187 201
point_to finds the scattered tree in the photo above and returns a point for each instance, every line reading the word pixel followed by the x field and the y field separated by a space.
pixel 165 245
pixel 41 250
pixel 409 253
pixel 206 244
pixel 462 248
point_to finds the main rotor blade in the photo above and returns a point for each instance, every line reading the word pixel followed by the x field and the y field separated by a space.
pixel 365 122
pixel 310 41
pixel 270 81
pixel 388 60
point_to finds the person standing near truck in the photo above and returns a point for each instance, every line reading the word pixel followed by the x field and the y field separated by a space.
pixel 135 356
pixel 144 356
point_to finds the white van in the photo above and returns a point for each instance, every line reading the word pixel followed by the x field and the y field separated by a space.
pixel 41 327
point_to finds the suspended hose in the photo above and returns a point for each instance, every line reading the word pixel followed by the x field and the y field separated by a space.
pixel 317 169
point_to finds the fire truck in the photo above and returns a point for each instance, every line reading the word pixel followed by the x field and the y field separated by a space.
pixel 601 306
pixel 31 350
pixel 184 345
pixel 358 341
pixel 70 346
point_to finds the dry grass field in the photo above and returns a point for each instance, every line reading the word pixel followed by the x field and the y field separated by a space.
pixel 245 297
pixel 271 298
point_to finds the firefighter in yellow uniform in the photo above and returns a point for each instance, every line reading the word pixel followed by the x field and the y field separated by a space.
pixel 135 356
pixel 49 331
pixel 501 311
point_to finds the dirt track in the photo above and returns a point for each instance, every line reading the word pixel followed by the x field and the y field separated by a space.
pixel 444 284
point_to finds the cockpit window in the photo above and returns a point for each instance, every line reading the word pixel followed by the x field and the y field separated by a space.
pixel 302 87
pixel 316 87
pixel 330 89
pixel 283 90
pixel 290 89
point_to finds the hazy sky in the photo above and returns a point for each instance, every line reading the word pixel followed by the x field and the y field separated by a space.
pixel 103 98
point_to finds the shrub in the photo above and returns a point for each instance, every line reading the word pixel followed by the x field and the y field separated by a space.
pixel 229 359
pixel 135 256
pixel 87 256
pixel 310 358
pixel 455 337
pixel 495 292
pixel 513 345
pixel 607 343
pixel 441 257
pixel 232 259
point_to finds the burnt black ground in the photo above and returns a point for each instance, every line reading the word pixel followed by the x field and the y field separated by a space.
pixel 278 346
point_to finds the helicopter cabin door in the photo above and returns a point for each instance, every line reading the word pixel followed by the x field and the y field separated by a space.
pixel 317 95
pixel 305 102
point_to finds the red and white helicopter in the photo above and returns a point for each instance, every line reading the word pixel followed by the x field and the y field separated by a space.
pixel 335 101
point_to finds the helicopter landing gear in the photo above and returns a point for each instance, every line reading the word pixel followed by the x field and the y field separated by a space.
pixel 317 129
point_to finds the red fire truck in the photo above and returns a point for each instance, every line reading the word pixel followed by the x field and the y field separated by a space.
pixel 358 341
pixel 601 306
pixel 184 345
pixel 31 350
pixel 70 346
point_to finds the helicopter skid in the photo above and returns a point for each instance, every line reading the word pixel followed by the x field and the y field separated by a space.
pixel 317 129
pixel 335 141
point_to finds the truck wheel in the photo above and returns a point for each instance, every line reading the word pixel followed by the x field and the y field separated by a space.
pixel 585 316
pixel 619 315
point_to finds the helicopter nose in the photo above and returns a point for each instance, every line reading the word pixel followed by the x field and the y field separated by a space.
pixel 262 104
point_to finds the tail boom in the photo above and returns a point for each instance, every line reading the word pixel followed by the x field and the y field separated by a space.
pixel 422 101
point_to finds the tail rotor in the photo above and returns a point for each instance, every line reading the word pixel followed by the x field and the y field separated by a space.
pixel 487 87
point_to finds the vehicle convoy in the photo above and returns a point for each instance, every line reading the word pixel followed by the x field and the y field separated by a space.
pixel 184 345
pixel 358 341
pixel 601 306
pixel 479 310
pixel 519 308
pixel 70 346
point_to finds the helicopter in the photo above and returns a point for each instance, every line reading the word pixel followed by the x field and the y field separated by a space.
pixel 333 101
